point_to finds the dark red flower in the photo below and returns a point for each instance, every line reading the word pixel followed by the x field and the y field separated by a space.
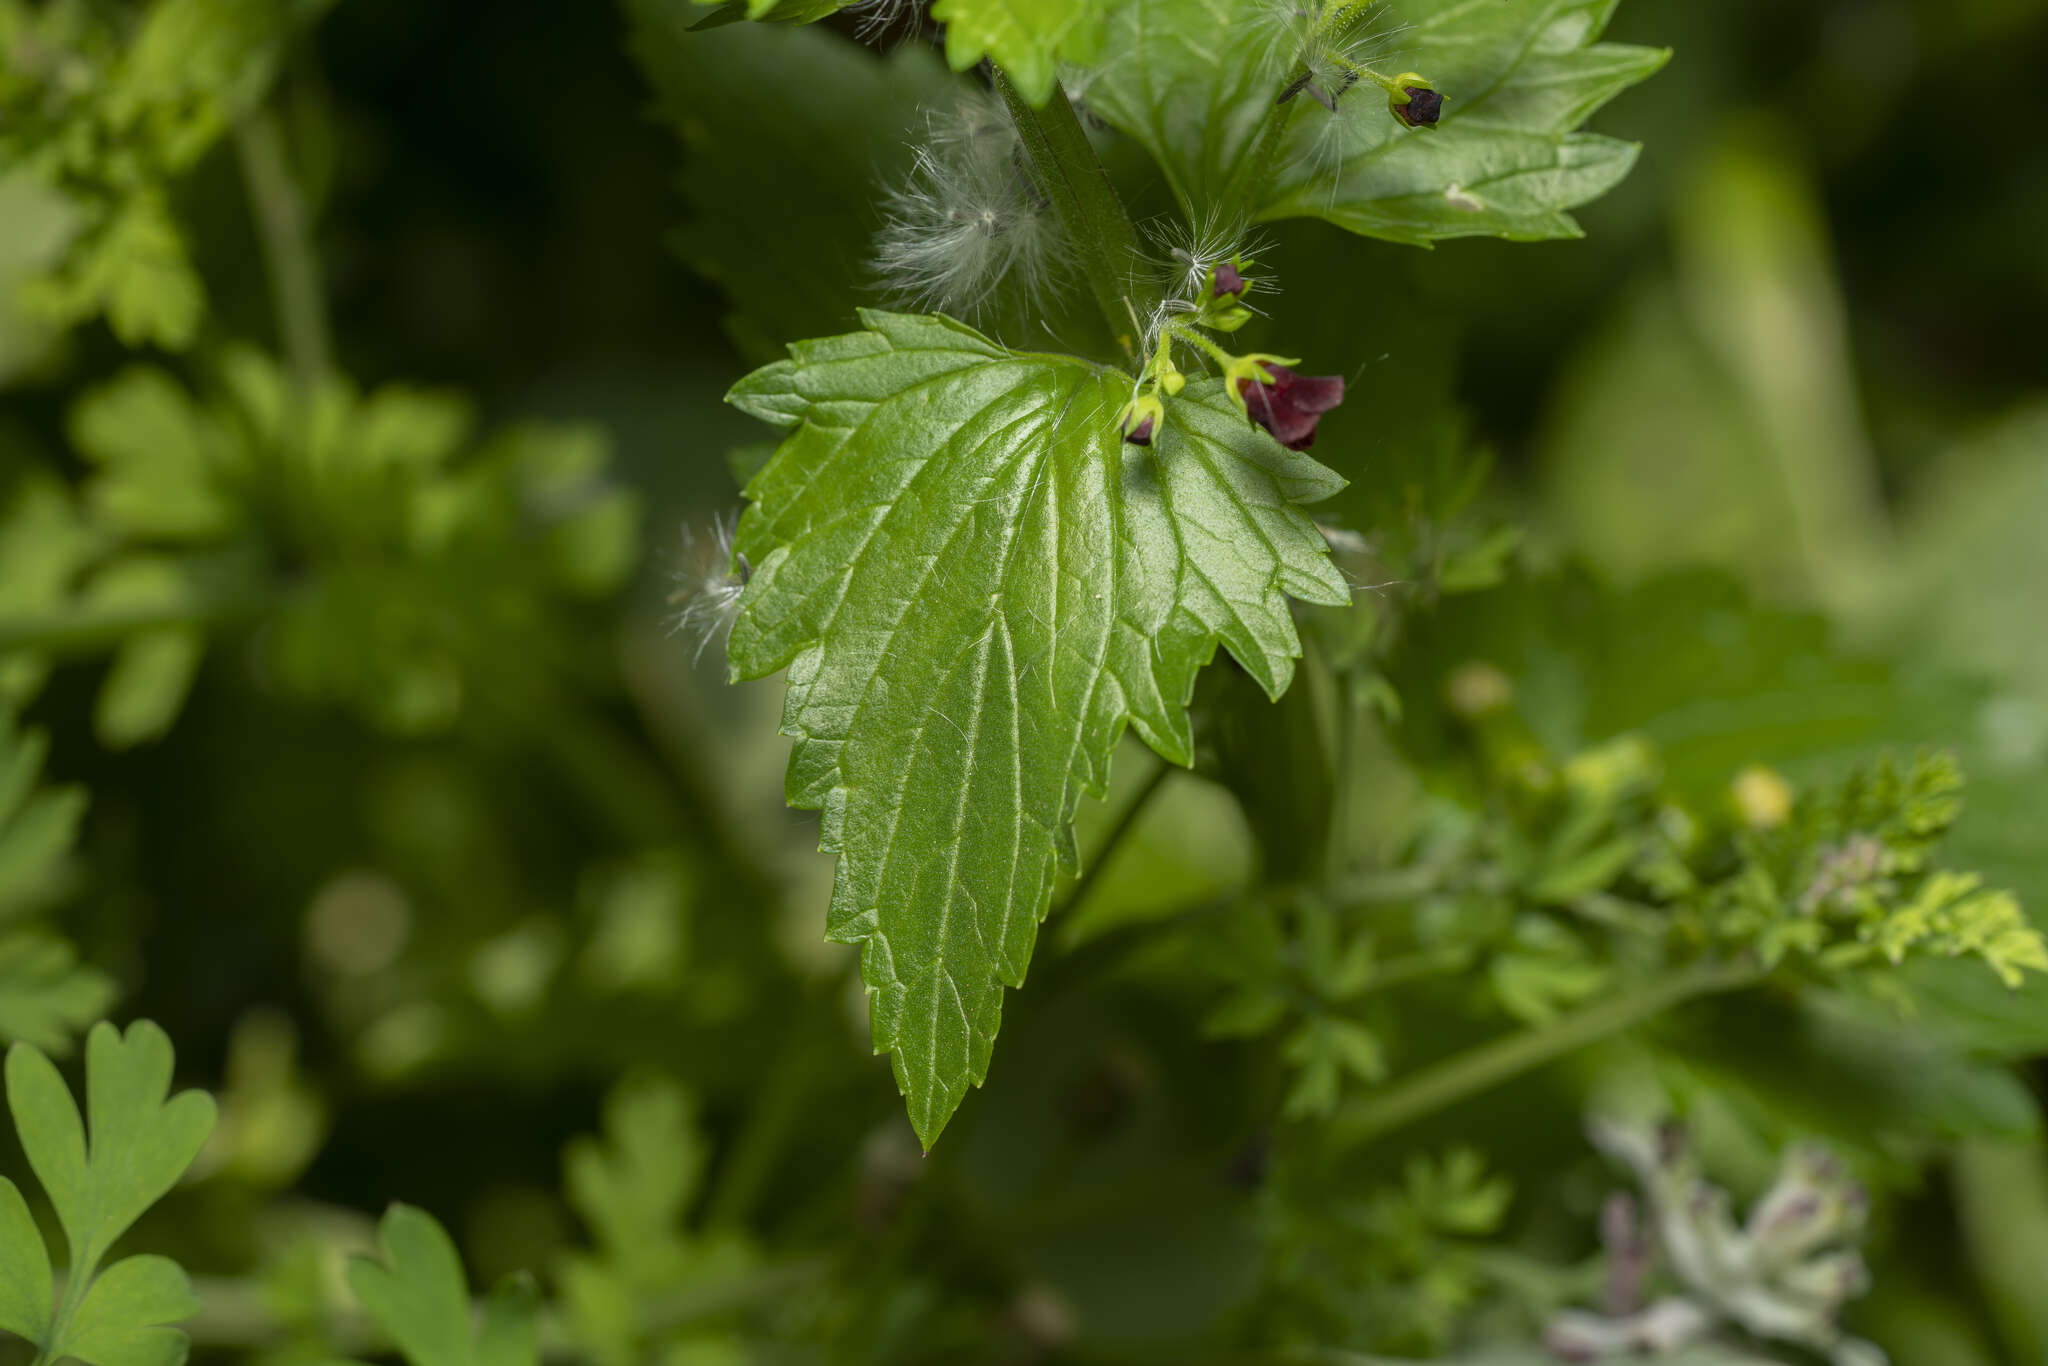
pixel 1292 404
pixel 1423 109
pixel 1227 281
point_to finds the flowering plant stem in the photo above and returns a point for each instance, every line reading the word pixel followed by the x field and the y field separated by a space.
pixel 1479 1069
pixel 1105 243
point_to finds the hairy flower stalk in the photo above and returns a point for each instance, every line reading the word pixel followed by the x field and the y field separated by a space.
pixel 1264 387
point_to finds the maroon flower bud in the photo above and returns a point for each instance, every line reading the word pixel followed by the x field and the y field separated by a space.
pixel 1141 418
pixel 1423 109
pixel 1292 404
pixel 1228 281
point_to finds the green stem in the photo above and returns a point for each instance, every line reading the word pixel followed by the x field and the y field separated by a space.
pixel 1105 243
pixel 237 1314
pixel 778 1109
pixel 284 228
pixel 1413 967
pixel 88 632
pixel 1245 193
pixel 77 1281
pixel 1488 1065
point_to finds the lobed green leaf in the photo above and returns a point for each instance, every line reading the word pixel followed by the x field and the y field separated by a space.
pixel 101 1173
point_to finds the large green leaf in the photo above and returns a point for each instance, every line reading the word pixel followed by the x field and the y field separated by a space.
pixel 974 584
pixel 793 262
pixel 1197 80
pixel 1026 38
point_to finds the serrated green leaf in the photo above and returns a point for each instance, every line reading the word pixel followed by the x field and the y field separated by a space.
pixel 1518 77
pixel 975 584
pixel 419 1296
pixel 1028 39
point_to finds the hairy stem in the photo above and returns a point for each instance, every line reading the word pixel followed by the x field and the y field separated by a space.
pixel 1105 243
pixel 285 229
pixel 1478 1069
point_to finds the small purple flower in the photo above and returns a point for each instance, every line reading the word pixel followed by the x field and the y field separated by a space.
pixel 1290 405
pixel 1228 281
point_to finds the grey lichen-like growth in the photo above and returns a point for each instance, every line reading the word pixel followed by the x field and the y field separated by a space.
pixel 1780 1276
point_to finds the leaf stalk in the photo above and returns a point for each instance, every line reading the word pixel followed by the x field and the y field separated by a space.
pixel 1073 177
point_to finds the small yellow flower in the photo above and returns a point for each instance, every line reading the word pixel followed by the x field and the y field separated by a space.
pixel 1763 799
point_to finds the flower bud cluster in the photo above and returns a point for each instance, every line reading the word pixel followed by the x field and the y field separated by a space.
pixel 1782 1275
pixel 1264 387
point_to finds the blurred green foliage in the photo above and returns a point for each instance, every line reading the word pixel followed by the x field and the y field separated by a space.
pixel 1696 560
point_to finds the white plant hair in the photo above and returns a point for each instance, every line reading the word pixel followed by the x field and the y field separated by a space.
pixel 1328 37
pixel 1190 252
pixel 968 218
pixel 710 577
pixel 873 18
pixel 1185 256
